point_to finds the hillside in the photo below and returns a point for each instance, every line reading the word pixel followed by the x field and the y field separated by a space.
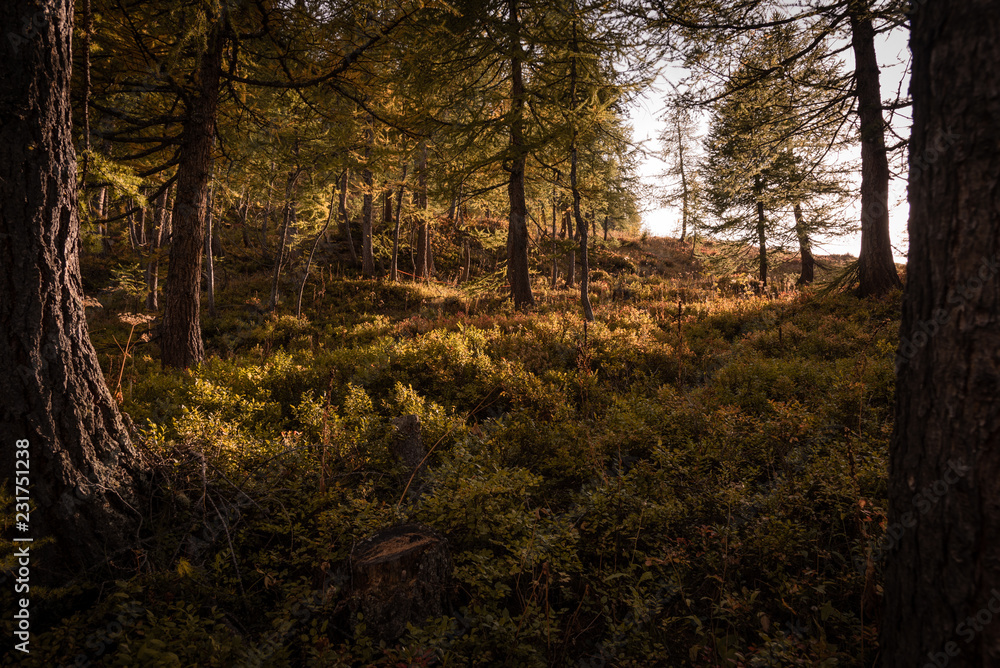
pixel 696 478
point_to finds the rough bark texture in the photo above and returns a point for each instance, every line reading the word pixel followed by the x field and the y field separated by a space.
pixel 83 472
pixel 942 583
pixel 808 271
pixel 876 269
pixel 399 575
pixel 180 341
pixel 517 232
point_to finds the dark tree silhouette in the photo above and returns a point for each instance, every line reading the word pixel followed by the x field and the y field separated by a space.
pixel 942 586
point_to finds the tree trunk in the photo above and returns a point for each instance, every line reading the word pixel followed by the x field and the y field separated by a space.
pixel 571 233
pixel 159 236
pixel 61 426
pixel 808 271
pixel 517 231
pixel 367 207
pixel 684 187
pixel 942 584
pixel 423 268
pixel 555 256
pixel 312 252
pixel 761 231
pixel 344 220
pixel 180 341
pixel 286 223
pixel 394 270
pixel 209 256
pixel 876 269
pixel 588 312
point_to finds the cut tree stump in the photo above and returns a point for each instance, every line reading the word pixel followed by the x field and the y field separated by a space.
pixel 399 575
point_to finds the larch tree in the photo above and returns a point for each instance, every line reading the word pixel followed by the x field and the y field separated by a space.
pixel 942 583
pixel 56 413
pixel 703 29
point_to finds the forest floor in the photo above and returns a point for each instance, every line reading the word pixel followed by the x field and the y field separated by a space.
pixel 696 478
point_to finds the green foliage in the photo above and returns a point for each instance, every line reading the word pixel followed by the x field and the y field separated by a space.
pixel 669 486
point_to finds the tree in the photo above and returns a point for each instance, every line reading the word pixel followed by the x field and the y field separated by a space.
pixel 876 268
pixel 517 232
pixel 679 148
pixel 85 475
pixel 941 581
pixel 707 28
pixel 764 159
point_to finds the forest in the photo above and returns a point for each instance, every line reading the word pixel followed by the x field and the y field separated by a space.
pixel 331 335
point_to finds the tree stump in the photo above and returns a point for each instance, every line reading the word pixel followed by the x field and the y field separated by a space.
pixel 399 575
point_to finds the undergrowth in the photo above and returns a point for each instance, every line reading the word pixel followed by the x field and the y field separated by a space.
pixel 691 480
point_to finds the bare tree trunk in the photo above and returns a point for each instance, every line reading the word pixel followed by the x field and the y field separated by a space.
pixel 517 231
pixel 159 237
pixel 571 233
pixel 942 583
pixel 808 271
pixel 62 428
pixel 344 220
pixel 876 269
pixel 555 256
pixel 393 270
pixel 367 206
pixel 312 252
pixel 180 340
pixel 209 256
pixel 761 230
pixel 423 269
pixel 684 187
pixel 588 312
pixel 286 223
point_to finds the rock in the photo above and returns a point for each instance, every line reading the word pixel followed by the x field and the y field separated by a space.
pixel 399 575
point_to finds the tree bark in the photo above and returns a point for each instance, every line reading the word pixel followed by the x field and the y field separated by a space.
pixel 517 231
pixel 808 271
pixel 180 341
pixel 942 583
pixel 84 475
pixel 876 269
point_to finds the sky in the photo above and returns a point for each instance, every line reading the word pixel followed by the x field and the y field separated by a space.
pixel 893 53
